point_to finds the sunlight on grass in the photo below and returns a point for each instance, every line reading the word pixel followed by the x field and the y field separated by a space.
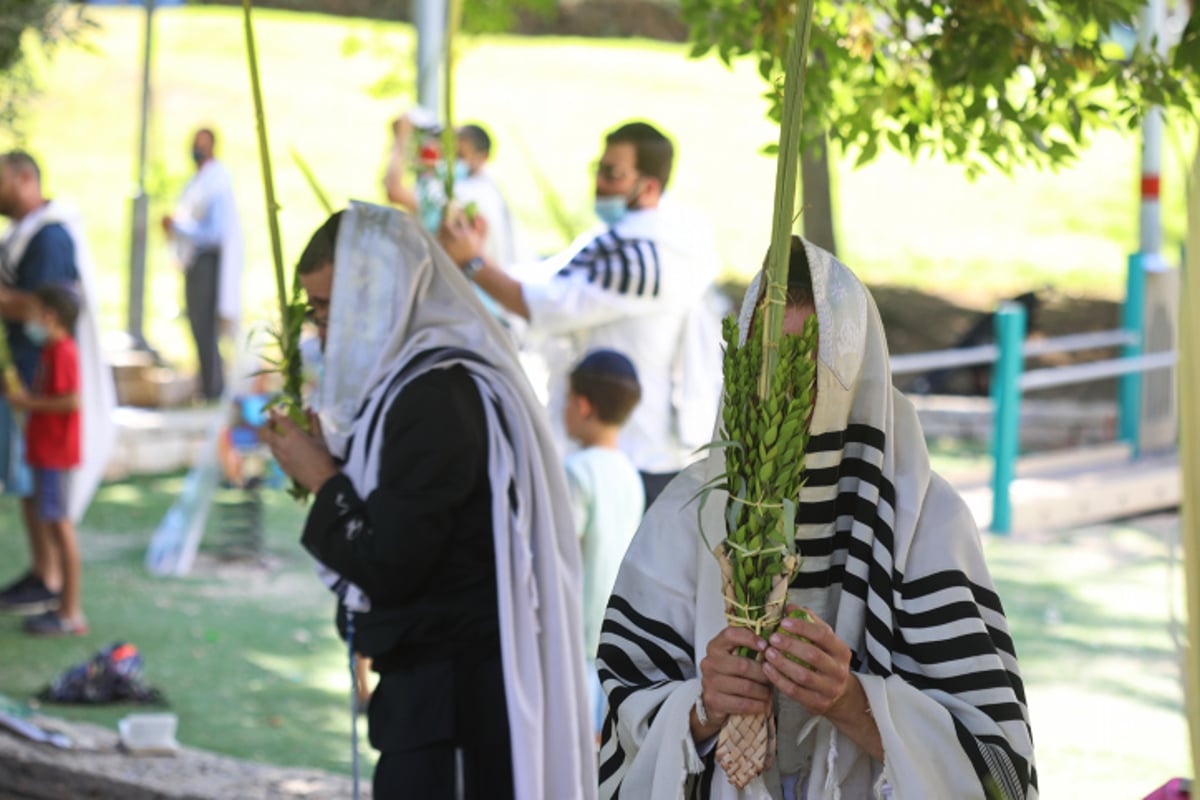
pixel 1089 611
pixel 316 670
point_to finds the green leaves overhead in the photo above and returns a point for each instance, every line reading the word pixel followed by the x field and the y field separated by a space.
pixel 28 29
pixel 986 83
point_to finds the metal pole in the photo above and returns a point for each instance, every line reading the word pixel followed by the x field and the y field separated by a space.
pixel 1151 35
pixel 140 210
pixel 1006 399
pixel 429 19
pixel 1148 258
pixel 1133 320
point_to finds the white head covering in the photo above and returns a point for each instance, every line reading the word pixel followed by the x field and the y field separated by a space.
pixel 396 298
pixel 892 561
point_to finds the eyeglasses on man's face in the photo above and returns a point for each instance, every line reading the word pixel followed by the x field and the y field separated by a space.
pixel 611 172
pixel 317 312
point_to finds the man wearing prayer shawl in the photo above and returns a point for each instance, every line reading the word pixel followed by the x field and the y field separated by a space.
pixel 441 521
pixel 914 691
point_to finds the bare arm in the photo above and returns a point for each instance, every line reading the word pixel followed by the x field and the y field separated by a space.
pixel 463 241
pixel 393 180
pixel 15 305
pixel 502 288
pixel 53 404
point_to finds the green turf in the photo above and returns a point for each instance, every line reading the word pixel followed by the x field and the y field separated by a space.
pixel 250 662
pixel 1090 613
pixel 246 655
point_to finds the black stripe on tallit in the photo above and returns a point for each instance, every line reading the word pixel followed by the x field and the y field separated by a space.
pixel 970 746
pixel 618 694
pixel 820 478
pixel 974 681
pixel 661 659
pixel 1002 773
pixel 659 630
pixel 1010 769
pixel 950 579
pixel 584 261
pixel 603 260
pixel 938 615
pixel 591 265
pixel 816 513
pixel 657 267
pixel 618 665
pixel 1000 641
pixel 701 785
pixel 870 473
pixel 835 441
pixel 643 271
pixel 829 442
pixel 608 735
pixel 580 262
pixel 626 267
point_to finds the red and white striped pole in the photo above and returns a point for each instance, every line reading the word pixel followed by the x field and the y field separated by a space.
pixel 1148 259
pixel 1151 33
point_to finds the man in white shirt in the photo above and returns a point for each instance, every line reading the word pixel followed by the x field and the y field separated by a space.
pixel 208 241
pixel 629 286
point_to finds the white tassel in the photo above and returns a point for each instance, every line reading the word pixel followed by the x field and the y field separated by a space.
pixel 882 789
pixel 832 790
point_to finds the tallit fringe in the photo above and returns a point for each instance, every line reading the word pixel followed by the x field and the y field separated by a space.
pixel 832 790
pixel 882 789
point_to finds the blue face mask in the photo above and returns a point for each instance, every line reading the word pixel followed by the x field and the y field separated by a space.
pixel 36 332
pixel 198 157
pixel 611 210
pixel 461 171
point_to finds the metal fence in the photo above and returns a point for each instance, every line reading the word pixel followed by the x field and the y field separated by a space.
pixel 1010 380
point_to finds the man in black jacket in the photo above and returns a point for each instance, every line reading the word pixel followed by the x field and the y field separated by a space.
pixel 405 521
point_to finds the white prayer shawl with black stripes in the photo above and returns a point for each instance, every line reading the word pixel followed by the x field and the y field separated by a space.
pixel 632 288
pixel 892 560
pixel 399 308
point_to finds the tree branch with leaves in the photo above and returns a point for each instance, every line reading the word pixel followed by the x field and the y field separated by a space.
pixel 986 84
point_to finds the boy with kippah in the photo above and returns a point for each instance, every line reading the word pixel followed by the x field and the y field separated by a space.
pixel 607 497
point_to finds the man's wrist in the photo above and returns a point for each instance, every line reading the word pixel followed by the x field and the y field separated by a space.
pixel 472 267
pixel 318 481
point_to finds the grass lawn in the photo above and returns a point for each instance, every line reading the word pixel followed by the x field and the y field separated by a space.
pixel 246 656
pixel 249 661
pixel 1090 613
pixel 549 100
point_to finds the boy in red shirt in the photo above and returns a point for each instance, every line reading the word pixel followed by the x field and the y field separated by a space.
pixel 52 446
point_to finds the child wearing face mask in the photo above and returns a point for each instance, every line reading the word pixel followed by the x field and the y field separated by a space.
pixel 52 447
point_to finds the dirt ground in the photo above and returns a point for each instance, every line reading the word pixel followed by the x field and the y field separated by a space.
pixel 917 322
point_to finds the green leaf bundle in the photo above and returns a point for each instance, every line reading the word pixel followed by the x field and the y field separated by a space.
pixel 765 439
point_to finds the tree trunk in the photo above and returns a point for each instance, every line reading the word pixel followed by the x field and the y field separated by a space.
pixel 817 196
